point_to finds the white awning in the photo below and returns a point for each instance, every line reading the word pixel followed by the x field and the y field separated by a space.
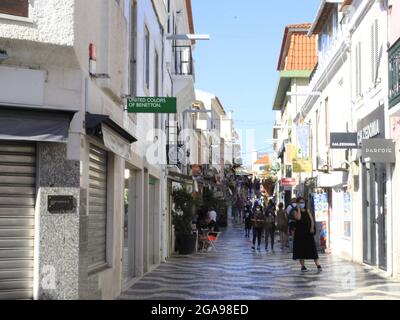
pixel 332 179
pixel 116 143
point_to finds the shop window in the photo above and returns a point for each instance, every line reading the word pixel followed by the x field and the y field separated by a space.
pixel 18 8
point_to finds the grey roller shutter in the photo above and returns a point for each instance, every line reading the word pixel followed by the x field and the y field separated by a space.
pixel 17 218
pixel 97 208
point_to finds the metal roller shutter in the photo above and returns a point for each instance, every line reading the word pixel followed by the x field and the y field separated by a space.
pixel 97 208
pixel 17 218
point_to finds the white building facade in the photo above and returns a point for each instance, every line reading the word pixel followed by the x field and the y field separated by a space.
pixel 348 95
pixel 84 192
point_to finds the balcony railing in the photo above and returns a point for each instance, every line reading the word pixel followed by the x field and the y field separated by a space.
pixel 183 61
pixel 394 75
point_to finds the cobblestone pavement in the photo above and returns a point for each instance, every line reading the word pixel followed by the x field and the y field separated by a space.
pixel 237 273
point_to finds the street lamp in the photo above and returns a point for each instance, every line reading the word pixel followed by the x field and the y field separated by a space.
pixel 283 127
pixel 295 94
pixel 189 37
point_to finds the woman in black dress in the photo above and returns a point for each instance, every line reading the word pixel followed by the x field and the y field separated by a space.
pixel 304 247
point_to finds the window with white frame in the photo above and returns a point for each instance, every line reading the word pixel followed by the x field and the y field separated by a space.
pixel 358 65
pixel 375 54
pixel 18 8
pixel 329 32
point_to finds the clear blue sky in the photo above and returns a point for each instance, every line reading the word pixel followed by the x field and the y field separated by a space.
pixel 239 63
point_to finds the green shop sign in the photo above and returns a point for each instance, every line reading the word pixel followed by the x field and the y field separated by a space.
pixel 152 105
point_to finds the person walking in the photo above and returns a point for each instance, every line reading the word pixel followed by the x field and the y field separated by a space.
pixel 247 220
pixel 239 206
pixel 304 247
pixel 282 225
pixel 270 225
pixel 290 210
pixel 258 226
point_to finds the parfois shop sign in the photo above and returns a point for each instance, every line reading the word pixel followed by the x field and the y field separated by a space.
pixel 379 151
pixel 152 105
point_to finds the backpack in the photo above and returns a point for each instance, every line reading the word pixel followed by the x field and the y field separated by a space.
pixel 292 213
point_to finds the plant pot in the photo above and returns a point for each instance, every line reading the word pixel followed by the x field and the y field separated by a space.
pixel 186 244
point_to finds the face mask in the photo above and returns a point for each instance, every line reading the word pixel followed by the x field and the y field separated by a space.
pixel 302 205
pixel 294 205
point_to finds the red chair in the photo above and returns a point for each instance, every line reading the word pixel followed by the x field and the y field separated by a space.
pixel 213 238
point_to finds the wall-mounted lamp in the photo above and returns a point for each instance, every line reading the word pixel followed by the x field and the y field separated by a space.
pixel 92 64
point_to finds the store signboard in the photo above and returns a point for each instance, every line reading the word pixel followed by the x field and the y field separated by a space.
pixel 288 182
pixel 302 165
pixel 379 151
pixel 372 126
pixel 321 207
pixel 332 179
pixel 152 105
pixel 347 215
pixel 303 141
pixel 395 127
pixel 343 140
pixel 290 153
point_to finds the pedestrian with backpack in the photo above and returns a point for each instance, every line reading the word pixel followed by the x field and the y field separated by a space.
pixel 258 227
pixel 291 210
pixel 282 225
pixel 247 220
pixel 270 227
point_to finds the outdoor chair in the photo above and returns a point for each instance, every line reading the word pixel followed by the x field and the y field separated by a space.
pixel 212 238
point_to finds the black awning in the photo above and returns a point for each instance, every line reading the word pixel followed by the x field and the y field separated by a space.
pixel 28 124
pixel 94 126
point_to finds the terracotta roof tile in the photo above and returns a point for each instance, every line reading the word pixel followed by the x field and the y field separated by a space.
pixel 300 50
pixel 264 160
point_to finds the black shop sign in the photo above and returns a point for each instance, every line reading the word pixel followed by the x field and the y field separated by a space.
pixel 343 140
pixel 372 126
pixel 60 204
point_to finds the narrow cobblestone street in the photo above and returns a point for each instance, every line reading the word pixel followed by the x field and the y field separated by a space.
pixel 237 273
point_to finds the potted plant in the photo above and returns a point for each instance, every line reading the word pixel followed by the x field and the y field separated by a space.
pixel 182 217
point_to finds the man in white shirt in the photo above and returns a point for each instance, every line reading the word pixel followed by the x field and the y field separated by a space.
pixel 213 215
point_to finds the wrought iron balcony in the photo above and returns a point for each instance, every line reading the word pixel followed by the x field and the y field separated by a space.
pixel 394 75
pixel 183 61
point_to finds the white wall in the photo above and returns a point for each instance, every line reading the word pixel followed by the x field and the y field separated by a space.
pixel 50 22
pixel 372 97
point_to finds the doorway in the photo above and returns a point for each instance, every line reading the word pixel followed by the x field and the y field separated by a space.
pixel 128 255
pixel 154 222
pixel 375 215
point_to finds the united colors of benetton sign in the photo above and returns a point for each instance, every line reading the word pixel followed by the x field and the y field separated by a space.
pixel 152 105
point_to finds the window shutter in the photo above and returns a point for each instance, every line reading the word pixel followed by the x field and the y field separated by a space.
pixel 372 54
pixel 359 70
pixel 376 50
pixel 15 7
